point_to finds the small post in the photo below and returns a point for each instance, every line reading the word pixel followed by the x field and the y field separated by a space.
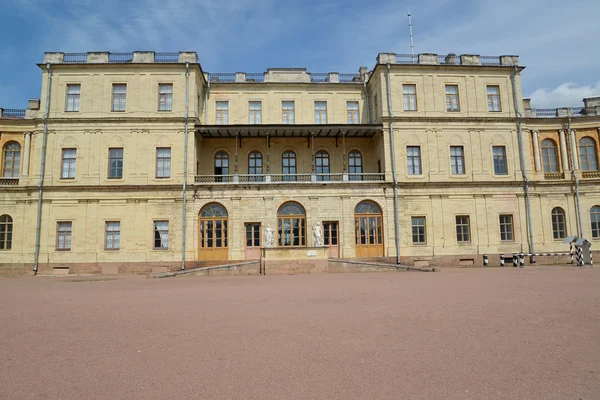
pixel 502 260
pixel 532 258
pixel 579 255
pixel 591 258
pixel 485 260
pixel 521 260
pixel 515 260
pixel 571 251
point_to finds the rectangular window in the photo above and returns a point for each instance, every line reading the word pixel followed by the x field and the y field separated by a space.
pixel 287 112
pixel 462 229
pixel 222 117
pixel 73 96
pixel 163 162
pixel 452 98
pixel 165 97
pixel 499 153
pixel 409 92
pixel 115 163
pixel 418 230
pixel 493 98
pixel 161 235
pixel 413 155
pixel 320 112
pixel 457 160
pixel 119 97
pixel 255 112
pixel 506 228
pixel 352 112
pixel 68 163
pixel 63 235
pixel 113 235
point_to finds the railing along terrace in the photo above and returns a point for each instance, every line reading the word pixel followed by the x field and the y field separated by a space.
pixel 450 59
pixel 166 57
pixel 591 174
pixel 319 77
pixel 407 59
pixel 9 181
pixel 490 60
pixel 545 112
pixel 13 113
pixel 226 77
pixel 563 112
pixel 75 58
pixel 349 78
pixel 554 175
pixel 255 77
pixel 288 178
pixel 120 57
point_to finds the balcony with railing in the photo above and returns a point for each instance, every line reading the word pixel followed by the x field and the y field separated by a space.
pixel 15 113
pixel 289 179
pixel 285 75
pixel 136 57
pixel 552 176
pixel 562 112
pixel 9 181
pixel 448 59
pixel 590 174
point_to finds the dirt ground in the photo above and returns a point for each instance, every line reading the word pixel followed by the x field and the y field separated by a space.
pixel 497 333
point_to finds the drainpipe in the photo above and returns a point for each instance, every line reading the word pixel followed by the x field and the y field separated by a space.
pixel 185 164
pixel 206 103
pixel 522 162
pixel 573 143
pixel 394 177
pixel 38 222
pixel 367 101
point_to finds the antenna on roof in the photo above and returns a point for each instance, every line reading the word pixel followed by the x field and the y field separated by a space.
pixel 412 44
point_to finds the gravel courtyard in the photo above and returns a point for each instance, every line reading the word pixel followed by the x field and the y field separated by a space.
pixel 497 333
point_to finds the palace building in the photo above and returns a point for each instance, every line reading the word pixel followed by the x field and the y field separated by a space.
pixel 142 160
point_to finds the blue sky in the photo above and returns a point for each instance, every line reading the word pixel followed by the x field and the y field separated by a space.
pixel 559 43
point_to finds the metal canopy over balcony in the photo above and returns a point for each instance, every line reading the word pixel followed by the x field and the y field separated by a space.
pixel 349 130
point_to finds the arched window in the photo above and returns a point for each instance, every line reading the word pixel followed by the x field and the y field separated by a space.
pixel 12 160
pixel 291 225
pixel 558 223
pixel 6 228
pixel 221 166
pixel 288 166
pixel 549 155
pixel 322 165
pixel 255 166
pixel 355 165
pixel 368 229
pixel 213 233
pixel 595 220
pixel 587 154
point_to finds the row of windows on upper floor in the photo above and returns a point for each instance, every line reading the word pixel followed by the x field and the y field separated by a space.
pixel 587 154
pixel 165 103
pixel 367 231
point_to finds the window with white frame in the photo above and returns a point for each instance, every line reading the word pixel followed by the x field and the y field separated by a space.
pixel 352 112
pixel 113 235
pixel 69 160
pixel 595 221
pixel 559 230
pixel 6 232
pixel 463 229
pixel 255 112
pixel 418 230
pixel 413 155
pixel 163 162
pixel 63 235
pixel 452 98
pixel 493 98
pixel 115 163
pixel 161 235
pixel 287 112
pixel 320 112
pixel 119 97
pixel 73 97
pixel 222 117
pixel 506 228
pixel 499 154
pixel 457 160
pixel 409 93
pixel 165 97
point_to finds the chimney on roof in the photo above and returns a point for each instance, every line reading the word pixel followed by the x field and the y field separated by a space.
pixel 363 73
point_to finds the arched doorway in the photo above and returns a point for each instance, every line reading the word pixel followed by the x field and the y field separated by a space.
pixel 212 233
pixel 368 222
pixel 291 225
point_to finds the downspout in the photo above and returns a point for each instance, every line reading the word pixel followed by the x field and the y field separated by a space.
pixel 206 103
pixel 185 164
pixel 394 177
pixel 522 162
pixel 572 144
pixel 367 101
pixel 38 222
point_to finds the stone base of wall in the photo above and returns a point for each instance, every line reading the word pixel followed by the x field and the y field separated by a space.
pixel 293 267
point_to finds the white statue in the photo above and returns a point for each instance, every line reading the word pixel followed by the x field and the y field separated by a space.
pixel 318 234
pixel 269 237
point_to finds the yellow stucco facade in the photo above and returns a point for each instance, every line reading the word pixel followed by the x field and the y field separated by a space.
pixel 115 145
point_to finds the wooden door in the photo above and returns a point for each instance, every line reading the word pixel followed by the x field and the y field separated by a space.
pixel 330 238
pixel 369 236
pixel 212 239
pixel 252 241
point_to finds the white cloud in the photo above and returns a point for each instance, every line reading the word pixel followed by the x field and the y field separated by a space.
pixel 567 94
